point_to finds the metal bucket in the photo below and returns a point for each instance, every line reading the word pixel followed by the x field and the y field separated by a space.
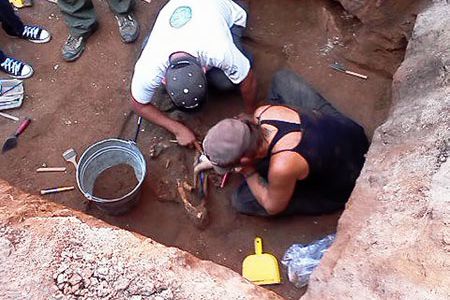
pixel 103 155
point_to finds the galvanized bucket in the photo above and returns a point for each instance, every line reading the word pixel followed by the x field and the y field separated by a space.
pixel 103 155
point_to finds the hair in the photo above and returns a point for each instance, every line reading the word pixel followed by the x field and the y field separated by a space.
pixel 256 138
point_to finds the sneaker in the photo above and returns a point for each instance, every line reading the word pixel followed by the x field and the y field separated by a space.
pixel 128 27
pixel 35 34
pixel 73 47
pixel 16 68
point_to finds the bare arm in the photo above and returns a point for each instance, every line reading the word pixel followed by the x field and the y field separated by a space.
pixel 248 91
pixel 274 195
pixel 151 113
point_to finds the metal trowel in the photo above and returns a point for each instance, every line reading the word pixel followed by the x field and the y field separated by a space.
pixel 11 142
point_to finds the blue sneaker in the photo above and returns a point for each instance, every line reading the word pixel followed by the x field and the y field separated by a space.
pixel 35 34
pixel 16 68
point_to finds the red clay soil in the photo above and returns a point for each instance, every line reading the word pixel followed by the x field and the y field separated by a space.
pixel 77 104
pixel 115 182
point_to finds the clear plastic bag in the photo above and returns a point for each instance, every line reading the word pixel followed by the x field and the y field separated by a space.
pixel 301 260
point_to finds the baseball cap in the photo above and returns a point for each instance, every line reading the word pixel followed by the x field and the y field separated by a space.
pixel 186 82
pixel 226 143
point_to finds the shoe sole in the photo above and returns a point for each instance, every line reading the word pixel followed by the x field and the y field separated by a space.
pixel 74 57
pixel 34 41
pixel 41 41
pixel 22 77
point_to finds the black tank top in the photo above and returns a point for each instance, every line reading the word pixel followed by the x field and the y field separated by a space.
pixel 333 146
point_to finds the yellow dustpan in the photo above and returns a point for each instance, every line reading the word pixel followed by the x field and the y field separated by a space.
pixel 17 3
pixel 261 268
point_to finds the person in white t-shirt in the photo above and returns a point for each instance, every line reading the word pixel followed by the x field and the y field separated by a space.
pixel 193 43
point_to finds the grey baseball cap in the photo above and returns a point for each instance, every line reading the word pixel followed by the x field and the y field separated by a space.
pixel 226 143
pixel 186 83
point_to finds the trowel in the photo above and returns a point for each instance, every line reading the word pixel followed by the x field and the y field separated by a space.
pixel 11 142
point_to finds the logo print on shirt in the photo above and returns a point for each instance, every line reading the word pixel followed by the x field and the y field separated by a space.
pixel 180 16
pixel 233 70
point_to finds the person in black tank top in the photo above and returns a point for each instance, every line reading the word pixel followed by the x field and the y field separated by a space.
pixel 298 154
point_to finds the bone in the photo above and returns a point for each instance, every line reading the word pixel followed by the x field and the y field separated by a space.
pixel 198 214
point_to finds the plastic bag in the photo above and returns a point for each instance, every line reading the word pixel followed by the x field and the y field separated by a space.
pixel 301 260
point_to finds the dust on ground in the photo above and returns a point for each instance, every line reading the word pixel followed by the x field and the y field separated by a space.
pixel 77 104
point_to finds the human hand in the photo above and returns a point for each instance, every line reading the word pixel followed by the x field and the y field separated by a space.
pixel 185 137
pixel 248 171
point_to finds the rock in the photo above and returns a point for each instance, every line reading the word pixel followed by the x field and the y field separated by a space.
pixel 94 281
pixel 103 289
pixel 67 289
pixel 121 283
pixel 61 278
pixel 102 272
pixel 75 279
pixel 6 247
pixel 389 241
pixel 63 267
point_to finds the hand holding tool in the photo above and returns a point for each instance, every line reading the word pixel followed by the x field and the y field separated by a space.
pixel 11 141
pixel 340 67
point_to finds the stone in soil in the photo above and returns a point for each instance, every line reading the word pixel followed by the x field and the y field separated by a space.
pixel 115 182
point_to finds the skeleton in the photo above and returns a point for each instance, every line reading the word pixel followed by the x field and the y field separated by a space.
pixel 198 214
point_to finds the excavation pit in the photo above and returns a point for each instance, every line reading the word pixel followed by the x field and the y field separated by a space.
pixel 305 36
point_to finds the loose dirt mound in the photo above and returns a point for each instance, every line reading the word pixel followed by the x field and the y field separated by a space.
pixel 61 257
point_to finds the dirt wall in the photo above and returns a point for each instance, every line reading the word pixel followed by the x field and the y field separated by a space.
pixel 393 239
pixel 386 26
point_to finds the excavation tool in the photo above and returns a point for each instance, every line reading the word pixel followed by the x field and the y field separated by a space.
pixel 8 116
pixel 57 190
pixel 51 169
pixel 224 180
pixel 341 68
pixel 261 268
pixel 139 122
pixel 11 142
pixel 70 155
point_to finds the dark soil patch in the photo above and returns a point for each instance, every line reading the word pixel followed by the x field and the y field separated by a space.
pixel 115 182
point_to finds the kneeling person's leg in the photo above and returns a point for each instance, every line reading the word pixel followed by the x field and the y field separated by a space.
pixel 244 202
pixel 288 88
pixel 218 80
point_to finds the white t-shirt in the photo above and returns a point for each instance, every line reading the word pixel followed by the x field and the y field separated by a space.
pixel 198 27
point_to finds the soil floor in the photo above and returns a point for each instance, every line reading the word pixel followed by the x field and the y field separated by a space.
pixel 73 105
